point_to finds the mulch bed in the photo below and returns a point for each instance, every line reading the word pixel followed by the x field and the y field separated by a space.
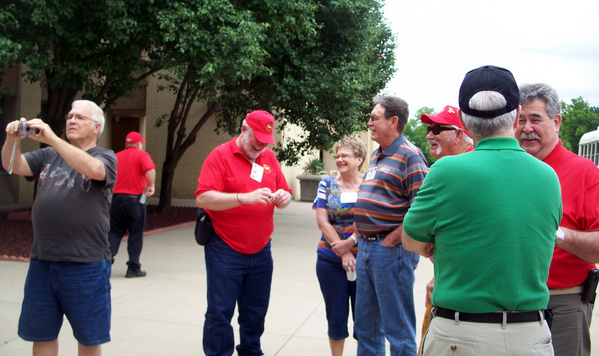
pixel 16 236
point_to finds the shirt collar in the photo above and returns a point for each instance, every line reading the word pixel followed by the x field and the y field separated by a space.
pixel 556 154
pixel 498 143
pixel 399 140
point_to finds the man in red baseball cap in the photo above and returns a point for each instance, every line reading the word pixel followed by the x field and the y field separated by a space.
pixel 136 174
pixel 262 123
pixel 446 136
pixel 240 185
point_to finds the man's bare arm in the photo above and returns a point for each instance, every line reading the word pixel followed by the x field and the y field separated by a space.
pixel 422 248
pixel 583 244
pixel 20 165
pixel 217 201
pixel 75 157
pixel 151 178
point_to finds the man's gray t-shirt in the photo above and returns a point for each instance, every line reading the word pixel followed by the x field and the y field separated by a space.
pixel 71 213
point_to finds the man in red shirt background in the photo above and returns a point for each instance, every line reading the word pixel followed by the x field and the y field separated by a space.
pixel 136 174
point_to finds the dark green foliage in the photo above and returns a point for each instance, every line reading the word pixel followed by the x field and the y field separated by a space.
pixel 578 118
pixel 416 133
pixel 315 65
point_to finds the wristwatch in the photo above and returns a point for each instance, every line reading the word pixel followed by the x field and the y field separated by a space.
pixel 560 235
pixel 353 237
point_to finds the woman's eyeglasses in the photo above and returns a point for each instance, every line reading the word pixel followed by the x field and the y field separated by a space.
pixel 343 155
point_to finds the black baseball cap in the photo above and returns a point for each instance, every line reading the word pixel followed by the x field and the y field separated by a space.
pixel 489 78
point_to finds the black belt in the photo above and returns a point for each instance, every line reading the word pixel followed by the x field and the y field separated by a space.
pixel 378 236
pixel 128 195
pixel 511 317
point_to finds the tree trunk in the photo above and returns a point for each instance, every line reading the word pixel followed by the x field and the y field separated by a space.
pixel 166 185
pixel 176 147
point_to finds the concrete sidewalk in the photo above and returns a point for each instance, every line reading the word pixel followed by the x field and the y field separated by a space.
pixel 163 313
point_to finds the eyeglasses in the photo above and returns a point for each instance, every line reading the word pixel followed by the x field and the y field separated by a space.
pixel 344 156
pixel 77 118
pixel 437 129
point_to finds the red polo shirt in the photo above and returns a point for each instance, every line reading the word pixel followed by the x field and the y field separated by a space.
pixel 131 171
pixel 579 179
pixel 246 228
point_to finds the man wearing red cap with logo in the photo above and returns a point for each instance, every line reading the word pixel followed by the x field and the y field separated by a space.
pixel 239 186
pixel 492 240
pixel 446 136
pixel 136 174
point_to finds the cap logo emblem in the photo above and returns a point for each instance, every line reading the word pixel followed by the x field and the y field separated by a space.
pixel 266 168
pixel 268 127
pixel 450 110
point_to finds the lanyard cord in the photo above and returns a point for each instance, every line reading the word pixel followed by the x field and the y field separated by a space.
pixel 12 157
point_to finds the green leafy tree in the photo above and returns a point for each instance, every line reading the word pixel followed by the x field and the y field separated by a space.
pixel 209 46
pixel 315 65
pixel 416 133
pixel 100 47
pixel 578 118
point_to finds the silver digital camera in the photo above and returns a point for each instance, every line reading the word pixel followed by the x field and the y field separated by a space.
pixel 25 129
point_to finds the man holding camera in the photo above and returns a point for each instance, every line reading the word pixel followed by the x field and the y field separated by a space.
pixel 69 272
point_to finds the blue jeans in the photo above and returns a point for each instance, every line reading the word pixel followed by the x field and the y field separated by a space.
pixel 81 291
pixel 339 295
pixel 235 278
pixel 126 213
pixel 385 299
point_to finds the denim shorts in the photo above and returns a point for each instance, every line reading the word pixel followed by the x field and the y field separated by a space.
pixel 81 291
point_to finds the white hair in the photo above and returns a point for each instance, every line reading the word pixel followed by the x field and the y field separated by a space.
pixel 486 101
pixel 467 139
pixel 465 136
pixel 97 113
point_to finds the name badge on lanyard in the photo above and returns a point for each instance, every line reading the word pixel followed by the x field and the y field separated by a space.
pixel 349 197
pixel 370 173
pixel 257 172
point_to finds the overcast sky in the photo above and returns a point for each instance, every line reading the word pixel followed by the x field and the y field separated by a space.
pixel 439 41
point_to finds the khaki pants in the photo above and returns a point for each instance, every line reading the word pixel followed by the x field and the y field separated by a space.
pixel 446 337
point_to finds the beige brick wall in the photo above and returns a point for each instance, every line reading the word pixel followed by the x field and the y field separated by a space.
pixel 27 105
pixel 186 175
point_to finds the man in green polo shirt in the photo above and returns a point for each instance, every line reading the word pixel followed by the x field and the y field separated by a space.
pixel 490 217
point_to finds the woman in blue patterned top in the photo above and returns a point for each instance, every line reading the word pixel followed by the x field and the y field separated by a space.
pixel 337 249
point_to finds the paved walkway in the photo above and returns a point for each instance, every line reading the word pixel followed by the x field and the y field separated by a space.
pixel 163 313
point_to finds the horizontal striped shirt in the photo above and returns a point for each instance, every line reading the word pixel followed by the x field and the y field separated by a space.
pixel 389 187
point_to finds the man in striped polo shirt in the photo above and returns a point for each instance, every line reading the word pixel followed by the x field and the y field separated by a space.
pixel 385 270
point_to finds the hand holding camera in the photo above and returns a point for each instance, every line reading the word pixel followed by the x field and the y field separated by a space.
pixel 34 129
pixel 20 128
